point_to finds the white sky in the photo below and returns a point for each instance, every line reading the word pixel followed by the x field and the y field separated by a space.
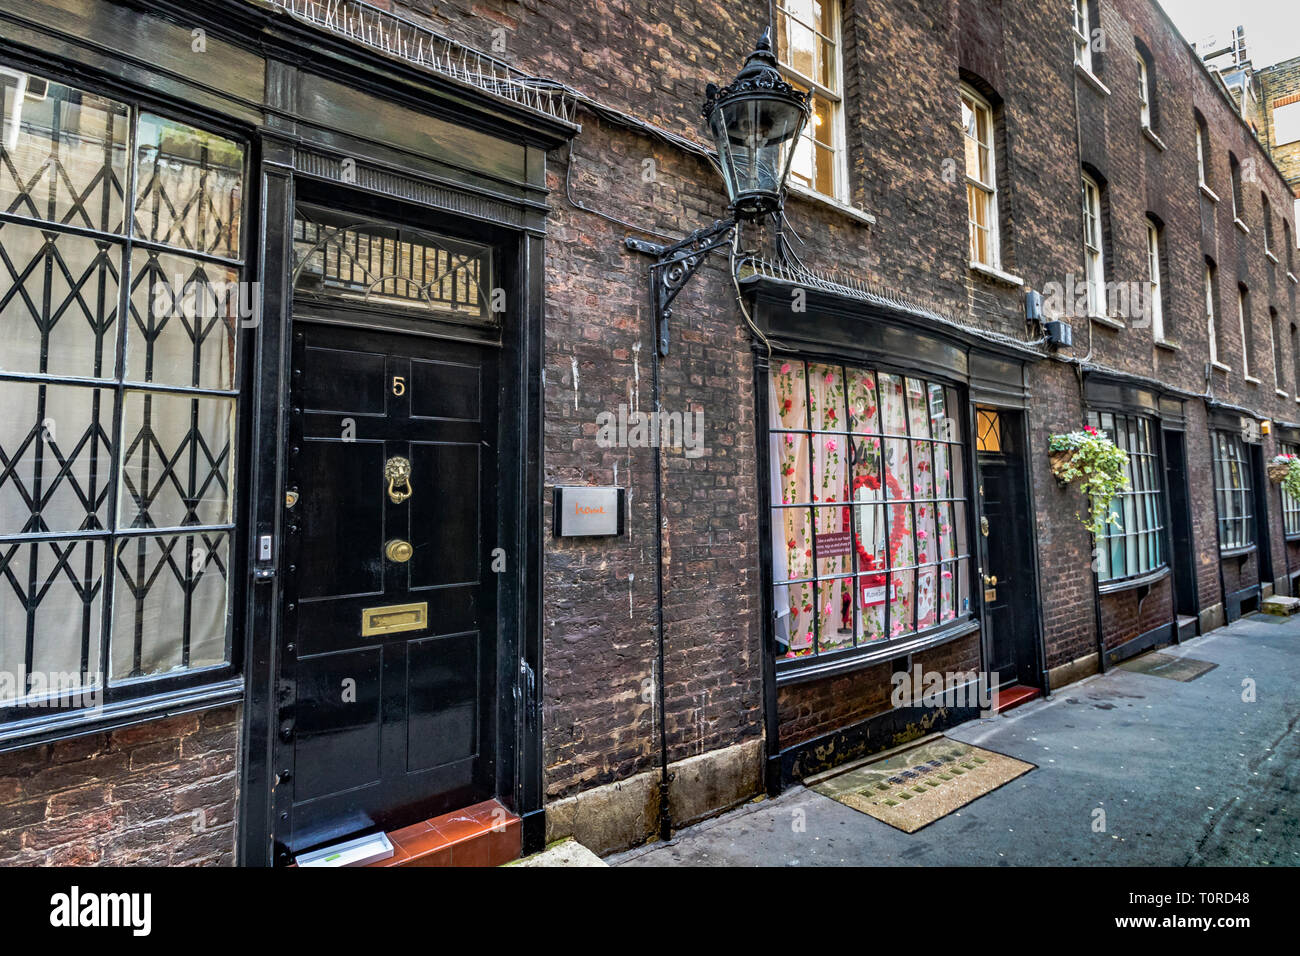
pixel 1272 26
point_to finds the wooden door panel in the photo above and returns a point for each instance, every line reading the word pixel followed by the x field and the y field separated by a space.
pixel 444 514
pixel 443 693
pixel 336 731
pixel 388 727
pixel 342 506
pixel 445 390
pixel 337 380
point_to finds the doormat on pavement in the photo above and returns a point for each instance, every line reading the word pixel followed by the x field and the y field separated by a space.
pixel 1166 665
pixel 912 789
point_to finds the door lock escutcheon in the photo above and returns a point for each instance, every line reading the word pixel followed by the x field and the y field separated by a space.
pixel 398 472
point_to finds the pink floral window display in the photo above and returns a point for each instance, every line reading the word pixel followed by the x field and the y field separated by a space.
pixel 868 507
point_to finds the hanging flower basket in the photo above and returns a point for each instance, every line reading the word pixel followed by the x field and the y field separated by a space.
pixel 1062 461
pixel 1278 467
pixel 1284 470
pixel 1090 460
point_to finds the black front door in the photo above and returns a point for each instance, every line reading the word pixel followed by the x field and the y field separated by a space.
pixel 1006 549
pixel 389 643
pixel 1263 534
pixel 1182 550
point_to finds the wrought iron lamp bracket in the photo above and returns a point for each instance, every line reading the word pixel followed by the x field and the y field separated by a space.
pixel 675 264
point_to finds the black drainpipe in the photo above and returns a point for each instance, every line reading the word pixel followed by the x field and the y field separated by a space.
pixel 665 814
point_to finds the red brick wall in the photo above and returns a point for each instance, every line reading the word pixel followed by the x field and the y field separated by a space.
pixel 161 793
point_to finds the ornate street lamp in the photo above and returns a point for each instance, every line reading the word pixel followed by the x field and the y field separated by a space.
pixel 756 121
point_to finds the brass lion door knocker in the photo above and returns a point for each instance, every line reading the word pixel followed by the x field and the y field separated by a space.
pixel 398 472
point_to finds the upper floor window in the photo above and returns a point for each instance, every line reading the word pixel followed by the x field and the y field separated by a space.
pixel 1268 223
pixel 1144 90
pixel 1286 120
pixel 1083 35
pixel 1093 247
pixel 1295 359
pixel 1275 334
pixel 1247 330
pixel 1202 151
pixel 808 51
pixel 1212 331
pixel 1155 291
pixel 981 179
pixel 1238 207
pixel 120 313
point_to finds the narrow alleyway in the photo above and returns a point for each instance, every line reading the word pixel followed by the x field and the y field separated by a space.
pixel 1187 774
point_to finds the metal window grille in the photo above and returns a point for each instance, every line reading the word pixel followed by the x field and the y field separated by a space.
pixel 1134 543
pixel 121 298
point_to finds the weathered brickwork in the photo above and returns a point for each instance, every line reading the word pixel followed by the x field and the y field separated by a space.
pixel 162 793
pixel 131 796
pixel 903 63
pixel 820 707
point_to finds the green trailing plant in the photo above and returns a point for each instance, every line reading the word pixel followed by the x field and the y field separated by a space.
pixel 1092 462
pixel 1285 470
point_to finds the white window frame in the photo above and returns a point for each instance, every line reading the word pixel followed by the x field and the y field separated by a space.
pixel 1241 321
pixel 978 103
pixel 1273 341
pixel 1266 222
pixel 1153 282
pixel 1094 253
pixel 1082 35
pixel 1234 187
pixel 833 97
pixel 1209 313
pixel 1201 132
pixel 1144 91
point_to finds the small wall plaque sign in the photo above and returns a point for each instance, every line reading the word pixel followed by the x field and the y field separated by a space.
pixel 588 511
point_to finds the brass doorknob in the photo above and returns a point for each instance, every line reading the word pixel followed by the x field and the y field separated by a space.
pixel 991 580
pixel 398 551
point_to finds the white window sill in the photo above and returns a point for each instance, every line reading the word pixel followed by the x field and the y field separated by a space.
pixel 1269 254
pixel 1213 196
pixel 1219 366
pixel 1091 79
pixel 1241 225
pixel 1167 345
pixel 851 211
pixel 1155 140
pixel 1107 321
pixel 1250 380
pixel 1292 277
pixel 1281 392
pixel 997 275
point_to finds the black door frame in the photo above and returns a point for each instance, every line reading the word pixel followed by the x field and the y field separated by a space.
pixel 1029 563
pixel 519 745
pixel 1180 536
pixel 313 322
pixel 1263 530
